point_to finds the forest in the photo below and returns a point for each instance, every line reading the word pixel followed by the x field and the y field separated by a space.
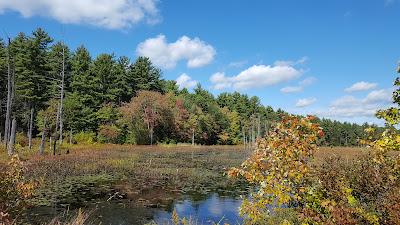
pixel 66 95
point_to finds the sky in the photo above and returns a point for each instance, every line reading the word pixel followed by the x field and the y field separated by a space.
pixel 333 58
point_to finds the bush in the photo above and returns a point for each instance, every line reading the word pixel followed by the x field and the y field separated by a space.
pixel 21 139
pixel 85 137
pixel 363 191
pixel 109 134
pixel 15 189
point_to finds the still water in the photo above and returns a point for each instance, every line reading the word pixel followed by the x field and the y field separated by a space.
pixel 209 209
pixel 212 210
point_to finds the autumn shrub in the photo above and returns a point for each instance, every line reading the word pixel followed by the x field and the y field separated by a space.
pixel 15 189
pixel 334 192
pixel 109 134
pixel 85 137
pixel 279 167
pixel 21 139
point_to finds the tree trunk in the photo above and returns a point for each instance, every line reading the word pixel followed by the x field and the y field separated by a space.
pixel 55 132
pixel 30 129
pixel 193 137
pixel 62 96
pixel 43 141
pixel 151 135
pixel 9 96
pixel 258 126
pixel 70 137
pixel 10 147
pixel 244 137
pixel 50 143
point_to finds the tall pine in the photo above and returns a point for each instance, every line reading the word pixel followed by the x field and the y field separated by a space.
pixel 146 76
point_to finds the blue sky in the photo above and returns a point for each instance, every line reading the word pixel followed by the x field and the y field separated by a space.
pixel 335 59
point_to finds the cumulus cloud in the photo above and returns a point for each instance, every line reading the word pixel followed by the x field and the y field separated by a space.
pixel 116 14
pixel 196 52
pixel 304 102
pixel 361 86
pixel 302 84
pixel 352 107
pixel 256 76
pixel 185 81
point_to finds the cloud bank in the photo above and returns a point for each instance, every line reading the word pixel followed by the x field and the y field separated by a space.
pixel 117 14
pixel 351 107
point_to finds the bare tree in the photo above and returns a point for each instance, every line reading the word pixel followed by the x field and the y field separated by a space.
pixel 258 126
pixel 244 137
pixel 30 128
pixel 43 141
pixel 70 136
pixel 56 130
pixel 62 94
pixel 10 147
pixel 9 96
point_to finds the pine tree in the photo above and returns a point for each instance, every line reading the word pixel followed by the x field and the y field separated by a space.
pixel 85 97
pixel 123 84
pixel 84 83
pixel 103 71
pixel 145 76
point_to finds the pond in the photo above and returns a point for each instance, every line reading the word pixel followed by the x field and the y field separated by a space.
pixel 209 209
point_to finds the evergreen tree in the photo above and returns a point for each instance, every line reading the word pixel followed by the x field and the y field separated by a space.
pixel 146 76
pixel 84 83
pixel 81 105
pixel 123 85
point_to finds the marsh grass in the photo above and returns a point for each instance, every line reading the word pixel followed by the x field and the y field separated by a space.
pixel 150 176
pixel 146 176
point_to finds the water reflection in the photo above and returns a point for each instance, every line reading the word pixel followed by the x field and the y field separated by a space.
pixel 211 210
pixel 203 209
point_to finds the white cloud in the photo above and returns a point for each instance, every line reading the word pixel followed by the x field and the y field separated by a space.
pixel 291 63
pixel 308 81
pixel 361 86
pixel 167 55
pixel 378 96
pixel 117 14
pixel 305 102
pixel 292 89
pixel 302 84
pixel 256 76
pixel 185 81
pixel 220 81
pixel 237 64
pixel 352 107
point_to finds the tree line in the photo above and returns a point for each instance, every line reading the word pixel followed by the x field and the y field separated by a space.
pixel 51 92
